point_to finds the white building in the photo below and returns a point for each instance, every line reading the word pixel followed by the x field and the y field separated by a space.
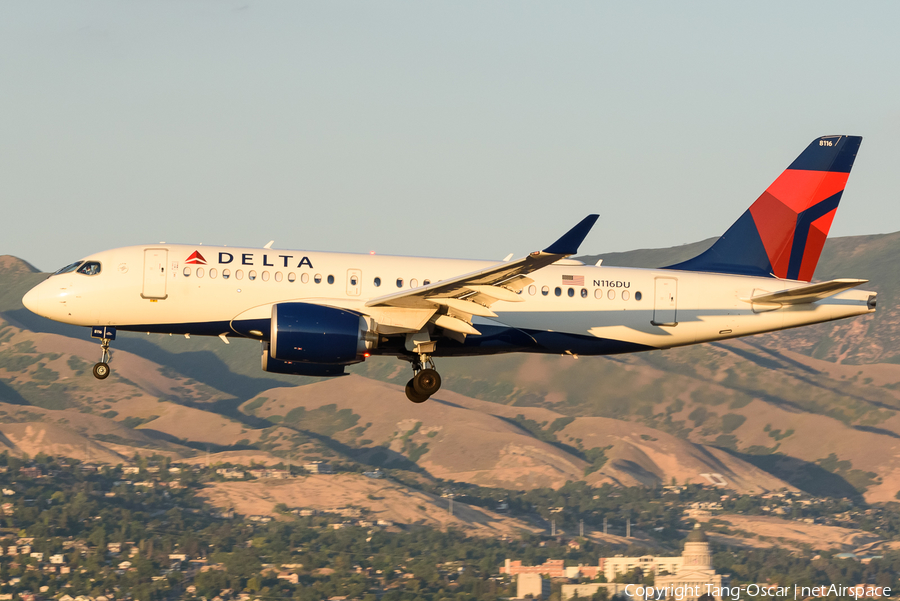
pixel 532 584
pixel 318 467
pixel 696 576
pixel 615 566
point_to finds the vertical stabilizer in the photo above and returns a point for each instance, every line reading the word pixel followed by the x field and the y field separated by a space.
pixel 782 234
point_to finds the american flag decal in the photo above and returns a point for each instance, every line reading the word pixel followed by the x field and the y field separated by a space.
pixel 573 280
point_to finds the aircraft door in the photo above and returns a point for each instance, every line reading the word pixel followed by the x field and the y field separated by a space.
pixel 155 273
pixel 665 302
pixel 354 282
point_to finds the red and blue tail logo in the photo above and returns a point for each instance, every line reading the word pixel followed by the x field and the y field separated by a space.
pixel 782 234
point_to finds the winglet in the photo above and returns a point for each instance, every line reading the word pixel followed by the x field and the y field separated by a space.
pixel 571 240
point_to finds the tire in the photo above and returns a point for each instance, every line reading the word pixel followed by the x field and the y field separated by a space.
pixel 427 382
pixel 414 396
pixel 101 371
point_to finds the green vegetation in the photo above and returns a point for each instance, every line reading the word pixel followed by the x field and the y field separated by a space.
pixel 326 420
pixel 95 519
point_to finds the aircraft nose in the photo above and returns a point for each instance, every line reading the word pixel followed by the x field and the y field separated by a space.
pixel 34 300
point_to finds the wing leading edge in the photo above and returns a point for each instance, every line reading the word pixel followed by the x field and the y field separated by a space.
pixel 473 293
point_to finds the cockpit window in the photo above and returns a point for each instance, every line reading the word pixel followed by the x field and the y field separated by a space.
pixel 69 268
pixel 90 268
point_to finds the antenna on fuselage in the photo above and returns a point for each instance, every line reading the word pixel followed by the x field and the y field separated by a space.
pixel 269 245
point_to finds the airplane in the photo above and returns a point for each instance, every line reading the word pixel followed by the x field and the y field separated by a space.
pixel 315 313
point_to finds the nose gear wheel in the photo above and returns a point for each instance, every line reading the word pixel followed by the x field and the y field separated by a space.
pixel 101 370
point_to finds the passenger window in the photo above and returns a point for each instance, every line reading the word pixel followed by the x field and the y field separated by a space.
pixel 239 274
pixel 611 295
pixel 414 283
pixel 199 272
pixel 90 268
pixel 545 291
pixel 557 291
pixel 377 282
pixel 353 280
pixel 292 277
pixel 531 290
pixel 571 292
pixel 637 296
pixel 213 273
pixel 584 293
pixel 304 278
pixel 278 276
pixel 331 279
pixel 265 276
pixel 625 295
pixel 226 273
pixel 187 272
pixel 598 293
pixel 318 278
pixel 251 275
pixel 426 282
pixel 399 282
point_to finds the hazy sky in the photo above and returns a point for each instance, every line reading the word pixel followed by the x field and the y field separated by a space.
pixel 463 129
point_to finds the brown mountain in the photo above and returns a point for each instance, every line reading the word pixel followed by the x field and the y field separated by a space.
pixel 799 408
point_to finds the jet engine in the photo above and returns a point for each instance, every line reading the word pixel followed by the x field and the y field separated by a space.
pixel 308 333
pixel 320 370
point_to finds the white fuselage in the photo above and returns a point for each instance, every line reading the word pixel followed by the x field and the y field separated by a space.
pixel 152 288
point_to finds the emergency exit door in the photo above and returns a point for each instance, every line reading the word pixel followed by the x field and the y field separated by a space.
pixel 665 302
pixel 155 273
pixel 354 282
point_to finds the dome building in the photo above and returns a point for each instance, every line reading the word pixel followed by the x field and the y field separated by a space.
pixel 696 578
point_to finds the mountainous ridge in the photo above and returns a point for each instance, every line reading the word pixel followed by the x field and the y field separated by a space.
pixel 753 410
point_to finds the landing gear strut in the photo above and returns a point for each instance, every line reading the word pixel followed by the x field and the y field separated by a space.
pixel 425 381
pixel 101 370
pixel 106 335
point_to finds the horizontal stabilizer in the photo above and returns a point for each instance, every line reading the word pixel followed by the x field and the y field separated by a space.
pixel 805 294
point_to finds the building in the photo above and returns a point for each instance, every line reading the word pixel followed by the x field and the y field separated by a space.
pixel 608 566
pixel 618 565
pixel 586 591
pixel 696 575
pixel 267 473
pixel 691 573
pixel 533 585
pixel 552 568
pixel 318 467
pixel 230 473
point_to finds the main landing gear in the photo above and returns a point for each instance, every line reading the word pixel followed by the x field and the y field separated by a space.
pixel 106 334
pixel 425 381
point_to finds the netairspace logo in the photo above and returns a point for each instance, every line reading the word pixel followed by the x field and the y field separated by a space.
pixel 680 593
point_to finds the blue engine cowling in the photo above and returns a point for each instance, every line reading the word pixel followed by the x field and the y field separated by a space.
pixel 307 333
pixel 272 365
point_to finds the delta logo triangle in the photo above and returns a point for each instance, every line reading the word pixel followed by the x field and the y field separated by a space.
pixel 196 259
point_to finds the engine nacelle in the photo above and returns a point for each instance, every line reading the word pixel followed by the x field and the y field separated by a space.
pixel 307 333
pixel 275 366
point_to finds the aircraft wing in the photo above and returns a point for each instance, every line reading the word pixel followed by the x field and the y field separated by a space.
pixel 809 293
pixel 473 293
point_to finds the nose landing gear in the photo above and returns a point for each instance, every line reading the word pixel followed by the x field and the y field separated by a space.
pixel 106 335
pixel 425 381
pixel 101 370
